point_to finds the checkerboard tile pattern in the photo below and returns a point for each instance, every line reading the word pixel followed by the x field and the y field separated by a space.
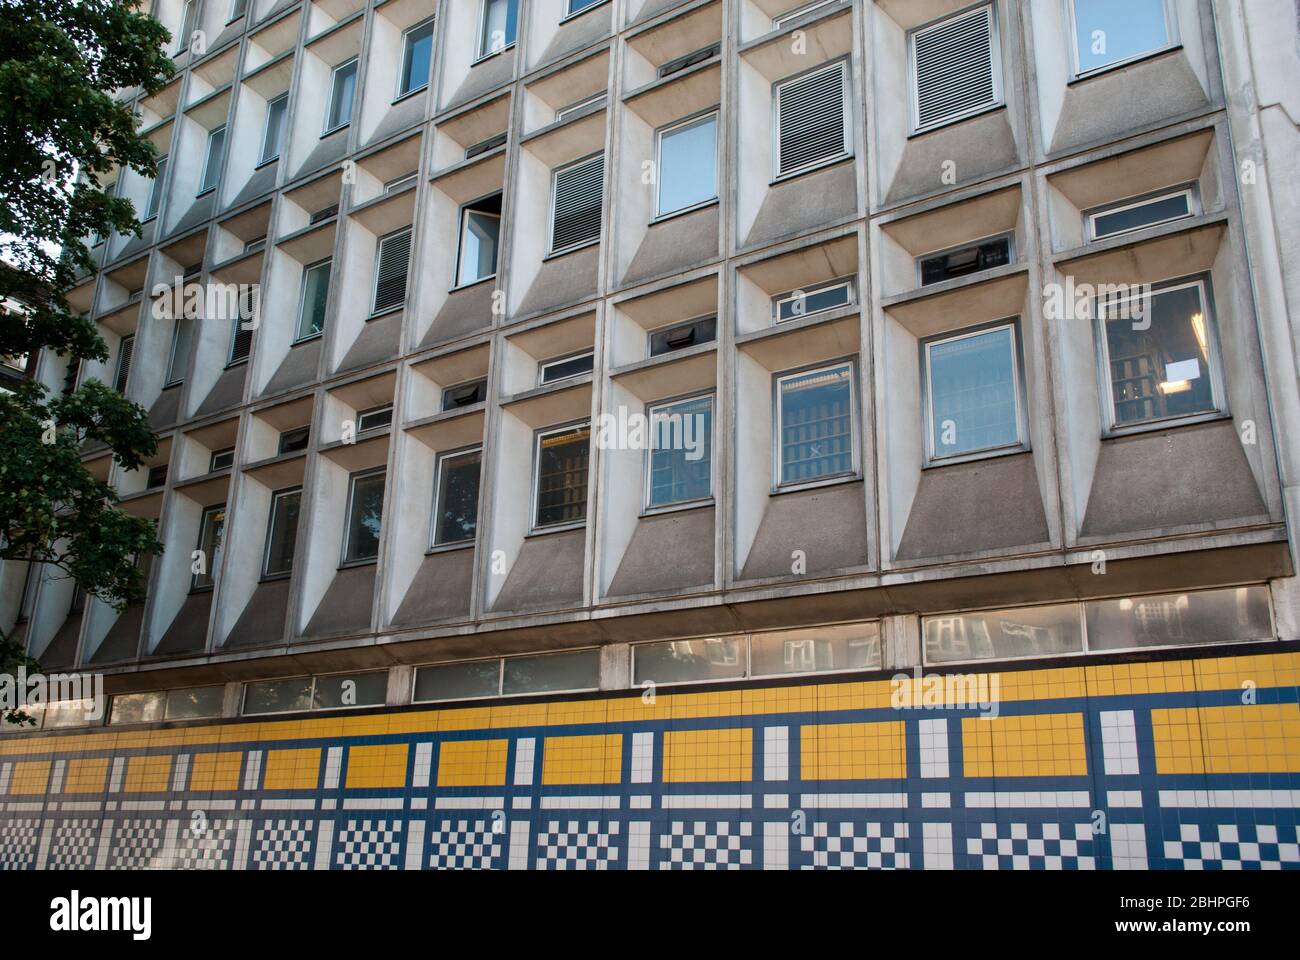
pixel 850 845
pixel 1230 846
pixel 1032 846
pixel 464 844
pixel 283 845
pixel 205 846
pixel 707 845
pixel 372 844
pixel 73 845
pixel 18 839
pixel 138 844
pixel 578 845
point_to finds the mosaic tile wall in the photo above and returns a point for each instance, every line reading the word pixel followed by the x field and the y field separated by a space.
pixel 1186 764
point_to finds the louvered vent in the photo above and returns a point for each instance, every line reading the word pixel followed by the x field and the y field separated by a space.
pixel 810 119
pixel 578 192
pixel 241 343
pixel 124 354
pixel 390 275
pixel 954 67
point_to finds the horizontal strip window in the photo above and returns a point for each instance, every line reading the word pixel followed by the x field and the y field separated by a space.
pixel 830 649
pixel 329 692
pixel 568 672
pixel 221 459
pixel 815 299
pixel 190 703
pixel 782 19
pixel 565 368
pixel 483 146
pixel 965 260
pixel 690 59
pixel 464 394
pixel 1152 210
pixel 1232 615
pixel 565 112
pixel 292 441
pixel 683 335
pixel 375 418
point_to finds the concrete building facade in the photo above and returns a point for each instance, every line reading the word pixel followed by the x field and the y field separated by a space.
pixel 968 327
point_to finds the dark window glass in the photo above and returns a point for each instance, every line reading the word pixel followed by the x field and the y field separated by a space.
pixel 681 457
pixel 464 395
pixel 579 670
pixel 417 57
pixel 375 418
pixel 803 303
pixel 458 681
pixel 1157 210
pixel 457 508
pixel 212 531
pixel 683 335
pixel 966 260
pixel 291 441
pixel 562 476
pixel 816 424
pixel 365 514
pixel 282 533
pixel 563 369
pixel 351 690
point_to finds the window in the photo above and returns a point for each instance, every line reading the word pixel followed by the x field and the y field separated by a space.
pixel 391 261
pixel 1108 32
pixel 683 335
pixel 323 214
pixel 195 703
pixel 972 392
pixel 292 441
pixel 483 146
pixel 282 533
pixel 221 459
pixel 375 418
pixel 416 57
pixel 212 530
pixel 343 87
pixel 125 350
pixel 464 395
pixel 241 341
pixel 955 68
pixel 212 163
pixel 333 692
pixel 399 183
pixel 679 464
pixel 187 26
pixel 965 260
pixel 315 296
pixel 476 679
pixel 688 164
pixel 1135 214
pixel 180 354
pixel 812 120
pixel 815 299
pixel 190 703
pixel 576 203
pixel 1003 634
pixel 458 681
pixel 498 27
pixel 252 246
pixel 829 649
pixel 156 477
pixel 784 18
pixel 455 511
pixel 1160 355
pixel 364 516
pixel 480 230
pixel 155 189
pixel 275 112
pixel 563 369
pixel 137 708
pixel 237 9
pixel 689 60
pixel 561 467
pixel 577 6
pixel 278 696
pixel 815 424
pixel 565 112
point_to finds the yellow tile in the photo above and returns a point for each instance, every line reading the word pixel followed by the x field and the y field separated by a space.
pixel 472 763
pixel 291 769
pixel 590 759
pixel 86 776
pixel 216 771
pixel 148 774
pixel 696 756
pixel 1039 745
pixel 853 751
pixel 29 777
pixel 382 765
pixel 1259 738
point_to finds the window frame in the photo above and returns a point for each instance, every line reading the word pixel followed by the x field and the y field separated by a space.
pixel 435 545
pixel 353 62
pixel 407 50
pixel 1189 190
pixel 1218 389
pixel 344 562
pixel 846 98
pixel 534 500
pixel 556 361
pixel 1022 442
pixel 207 161
pixel 849 281
pixel 676 325
pixel 563 113
pixel 995 52
pixel 375 311
pixel 462 214
pixel 1173 40
pixel 311 696
pixel 570 13
pixel 168 379
pixel 369 411
pixel 649 509
pixel 694 120
pixel 276 496
pixel 237 327
pixel 212 459
pixel 302 301
pixel 780 486
pixel 1008 235
pixel 195 587
pixel 482 53
pixel 552 250
pixel 263 159
pixel 151 208
pixel 781 20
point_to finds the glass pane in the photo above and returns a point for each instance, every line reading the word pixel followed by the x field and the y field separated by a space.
pixel 1159 360
pixel 1175 619
pixel 457 498
pixel 579 670
pixel 278 696
pixel 562 369
pixel 680 661
pixel 1159 210
pixel 687 165
pixel 275 111
pixel 853 646
pixel 478 245
pixel 500 24
pixel 365 517
pixel 180 350
pixel 419 48
pixel 1108 31
pixel 137 708
pixel 815 301
pixel 972 382
pixel 212 165
pixel 816 425
pixel 458 681
pixel 195 703
pixel 351 690
pixel 69 713
pixel 155 188
pixel 680 458
pixel 562 477
pixel 315 294
pixel 576 5
pixel 283 533
pixel 343 87
pixel 211 533
pixel 999 634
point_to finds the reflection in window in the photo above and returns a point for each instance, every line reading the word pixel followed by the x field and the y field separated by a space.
pixel 687 164
pixel 1177 619
pixel 315 296
pixel 211 532
pixel 816 650
pixel 282 533
pixel 815 422
pixel 456 511
pixel 680 457
pixel 1004 634
pixel 562 476
pixel 278 696
pixel 343 87
pixel 1112 31
pixel 480 230
pixel 417 55
pixel 458 681
pixel 500 25
pixel 365 513
pixel 578 670
pixel 350 690
pixel 972 389
pixel 684 661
